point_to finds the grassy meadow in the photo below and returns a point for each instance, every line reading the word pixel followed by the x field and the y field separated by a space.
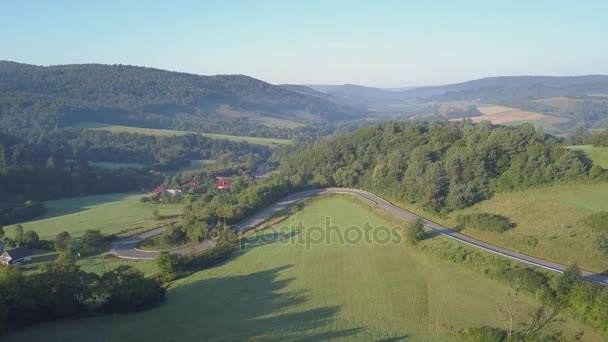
pixel 112 214
pixel 273 290
pixel 168 132
pixel 597 155
pixel 549 223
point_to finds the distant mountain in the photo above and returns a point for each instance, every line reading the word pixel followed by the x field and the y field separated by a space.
pixel 512 88
pixel 123 94
pixel 358 94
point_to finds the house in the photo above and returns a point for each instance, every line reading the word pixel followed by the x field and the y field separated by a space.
pixel 15 256
pixel 169 192
pixel 222 182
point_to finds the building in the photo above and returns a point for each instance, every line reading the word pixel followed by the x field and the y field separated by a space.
pixel 169 192
pixel 15 256
pixel 222 182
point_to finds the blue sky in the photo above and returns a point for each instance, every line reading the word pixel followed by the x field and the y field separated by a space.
pixel 378 43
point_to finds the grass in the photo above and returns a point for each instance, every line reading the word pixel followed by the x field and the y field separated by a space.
pixel 168 132
pixel 112 214
pixel 597 155
pixel 277 291
pixel 549 223
pixel 194 165
pixel 115 165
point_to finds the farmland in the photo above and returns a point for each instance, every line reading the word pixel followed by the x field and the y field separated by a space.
pixel 274 290
pixel 167 133
pixel 112 214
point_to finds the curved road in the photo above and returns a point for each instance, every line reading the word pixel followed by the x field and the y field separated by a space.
pixel 126 248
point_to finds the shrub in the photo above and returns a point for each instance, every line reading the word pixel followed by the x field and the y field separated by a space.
pixel 414 232
pixel 601 242
pixel 486 222
pixel 530 240
pixel 126 289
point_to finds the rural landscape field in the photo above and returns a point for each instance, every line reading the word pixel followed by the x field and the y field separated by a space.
pixel 303 171
pixel 273 290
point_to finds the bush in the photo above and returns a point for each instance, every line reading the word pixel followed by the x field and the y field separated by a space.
pixel 92 242
pixel 126 289
pixel 527 279
pixel 414 232
pixel 601 242
pixel 486 222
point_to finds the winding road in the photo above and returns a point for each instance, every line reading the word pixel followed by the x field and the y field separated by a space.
pixel 126 248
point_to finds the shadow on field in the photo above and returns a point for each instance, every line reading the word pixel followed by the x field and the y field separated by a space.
pixel 253 306
pixel 79 204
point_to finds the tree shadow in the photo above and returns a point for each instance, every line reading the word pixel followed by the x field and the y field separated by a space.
pixel 254 306
pixel 580 154
pixel 264 238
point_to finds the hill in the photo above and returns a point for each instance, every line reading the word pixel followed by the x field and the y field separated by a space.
pixel 146 97
pixel 500 89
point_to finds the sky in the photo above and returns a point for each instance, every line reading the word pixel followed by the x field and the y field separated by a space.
pixel 376 43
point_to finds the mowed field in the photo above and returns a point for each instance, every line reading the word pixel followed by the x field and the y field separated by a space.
pixel 279 290
pixel 549 223
pixel 112 214
pixel 168 132
pixel 597 155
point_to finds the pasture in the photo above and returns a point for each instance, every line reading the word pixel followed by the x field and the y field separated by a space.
pixel 111 214
pixel 549 223
pixel 506 115
pixel 275 290
pixel 168 132
pixel 597 155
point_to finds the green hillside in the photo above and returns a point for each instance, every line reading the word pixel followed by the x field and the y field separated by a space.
pixel 274 290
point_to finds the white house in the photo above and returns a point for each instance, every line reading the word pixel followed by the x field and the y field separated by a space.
pixel 15 256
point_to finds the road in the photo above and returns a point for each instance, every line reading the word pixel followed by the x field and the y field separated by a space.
pixel 126 248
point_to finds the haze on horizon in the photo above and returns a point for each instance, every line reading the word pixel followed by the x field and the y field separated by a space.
pixel 383 44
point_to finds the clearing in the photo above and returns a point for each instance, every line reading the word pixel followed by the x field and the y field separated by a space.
pixel 274 290
pixel 168 133
pixel 112 214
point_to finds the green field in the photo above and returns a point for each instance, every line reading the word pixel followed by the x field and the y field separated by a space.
pixel 597 155
pixel 277 291
pixel 111 214
pixel 194 165
pixel 115 165
pixel 552 216
pixel 168 132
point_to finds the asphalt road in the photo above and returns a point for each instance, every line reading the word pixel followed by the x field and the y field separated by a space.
pixel 126 248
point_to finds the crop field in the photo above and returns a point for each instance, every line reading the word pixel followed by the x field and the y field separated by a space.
pixel 597 155
pixel 566 104
pixel 112 214
pixel 504 115
pixel 280 287
pixel 548 223
pixel 168 133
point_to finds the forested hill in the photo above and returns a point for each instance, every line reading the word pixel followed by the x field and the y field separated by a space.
pixel 439 166
pixel 121 94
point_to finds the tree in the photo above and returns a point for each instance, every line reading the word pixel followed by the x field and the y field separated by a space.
pixel 155 213
pixel 51 163
pixel 2 233
pixel 169 265
pixel 18 233
pixel 126 289
pixel 30 238
pixel 414 232
pixel 92 242
pixel 63 242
